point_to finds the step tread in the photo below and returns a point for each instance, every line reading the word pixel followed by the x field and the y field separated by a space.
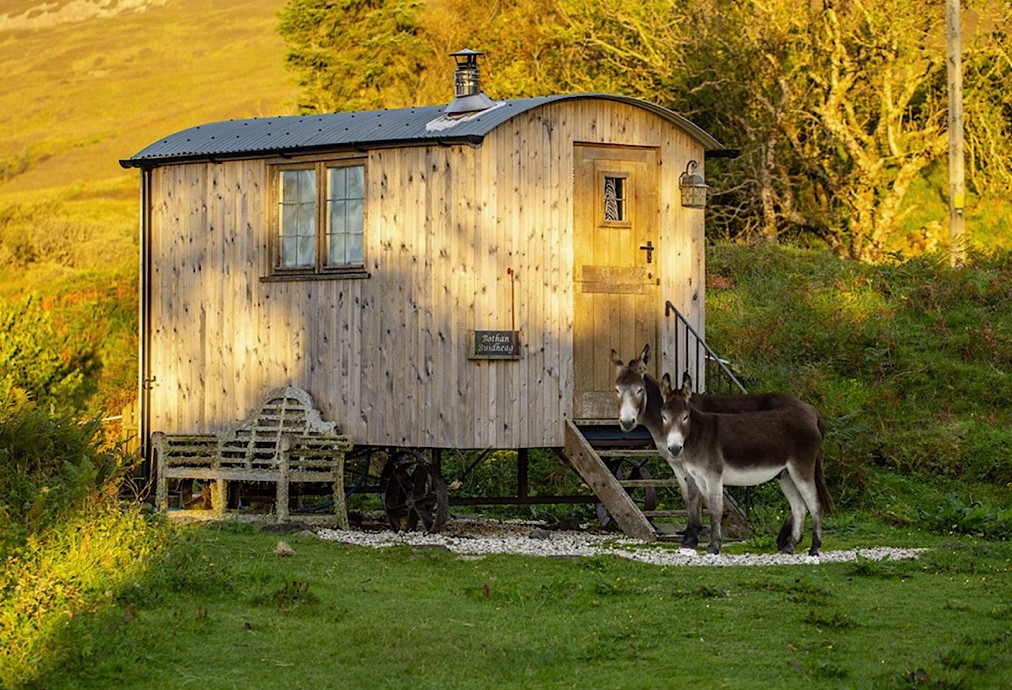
pixel 633 483
pixel 627 453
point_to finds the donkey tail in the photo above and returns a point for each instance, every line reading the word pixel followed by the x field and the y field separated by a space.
pixel 825 500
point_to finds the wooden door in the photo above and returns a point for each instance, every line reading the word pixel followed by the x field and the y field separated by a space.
pixel 616 261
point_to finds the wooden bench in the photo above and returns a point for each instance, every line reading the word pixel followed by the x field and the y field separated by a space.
pixel 284 441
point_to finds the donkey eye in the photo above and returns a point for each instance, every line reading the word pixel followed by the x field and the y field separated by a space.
pixel 685 418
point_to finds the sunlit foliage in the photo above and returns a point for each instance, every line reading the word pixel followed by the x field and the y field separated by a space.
pixel 838 109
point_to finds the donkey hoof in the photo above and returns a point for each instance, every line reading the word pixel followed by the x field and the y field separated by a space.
pixel 787 549
pixel 814 551
pixel 713 550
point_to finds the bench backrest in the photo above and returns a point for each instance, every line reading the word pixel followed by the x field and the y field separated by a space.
pixel 257 440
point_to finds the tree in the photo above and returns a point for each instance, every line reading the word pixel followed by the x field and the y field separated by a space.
pixel 837 106
pixel 355 54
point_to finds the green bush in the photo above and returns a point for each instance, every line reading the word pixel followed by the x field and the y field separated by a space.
pixel 910 364
pixel 956 515
pixel 37 360
pixel 67 544
pixel 50 466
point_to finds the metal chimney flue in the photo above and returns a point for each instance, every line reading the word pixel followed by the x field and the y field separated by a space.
pixel 467 94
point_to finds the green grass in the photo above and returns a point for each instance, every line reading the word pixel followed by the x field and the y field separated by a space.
pixel 221 611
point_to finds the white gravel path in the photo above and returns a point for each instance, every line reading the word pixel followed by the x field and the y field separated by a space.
pixel 476 538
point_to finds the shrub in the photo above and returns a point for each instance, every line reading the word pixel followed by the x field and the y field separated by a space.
pixel 50 465
pixel 910 363
pixel 35 359
pixel 956 515
pixel 67 544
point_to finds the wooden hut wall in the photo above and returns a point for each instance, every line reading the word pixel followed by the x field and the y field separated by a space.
pixel 386 357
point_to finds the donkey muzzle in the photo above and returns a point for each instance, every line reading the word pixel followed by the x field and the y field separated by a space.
pixel 675 449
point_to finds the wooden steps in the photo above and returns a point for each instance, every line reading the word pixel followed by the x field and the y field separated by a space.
pixel 591 443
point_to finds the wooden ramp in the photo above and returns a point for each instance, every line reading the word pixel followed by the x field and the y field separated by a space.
pixel 590 444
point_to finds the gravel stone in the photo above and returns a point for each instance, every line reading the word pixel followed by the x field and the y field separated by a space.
pixel 474 538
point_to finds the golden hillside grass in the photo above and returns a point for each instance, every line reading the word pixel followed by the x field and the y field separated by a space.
pixel 80 95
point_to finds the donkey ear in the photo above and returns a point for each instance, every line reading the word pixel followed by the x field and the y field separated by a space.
pixel 665 385
pixel 645 355
pixel 616 360
pixel 686 385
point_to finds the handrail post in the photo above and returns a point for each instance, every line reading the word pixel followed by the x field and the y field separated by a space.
pixel 701 346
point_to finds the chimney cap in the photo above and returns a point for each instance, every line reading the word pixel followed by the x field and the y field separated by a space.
pixel 468 96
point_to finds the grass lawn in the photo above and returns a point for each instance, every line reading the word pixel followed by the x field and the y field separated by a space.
pixel 223 611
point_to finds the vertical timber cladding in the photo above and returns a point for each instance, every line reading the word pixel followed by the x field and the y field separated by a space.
pixel 386 356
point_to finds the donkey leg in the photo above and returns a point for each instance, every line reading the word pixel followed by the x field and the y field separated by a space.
pixel 805 486
pixel 797 517
pixel 810 494
pixel 715 499
pixel 693 506
pixel 785 532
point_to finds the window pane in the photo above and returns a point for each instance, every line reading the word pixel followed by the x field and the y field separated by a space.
pixel 614 198
pixel 289 187
pixel 356 182
pixel 338 217
pixel 306 224
pixel 337 254
pixel 288 253
pixel 355 218
pixel 307 186
pixel 297 221
pixel 345 216
pixel 306 253
pixel 354 249
pixel 338 179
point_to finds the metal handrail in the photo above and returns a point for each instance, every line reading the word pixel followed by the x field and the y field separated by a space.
pixel 710 361
pixel 723 376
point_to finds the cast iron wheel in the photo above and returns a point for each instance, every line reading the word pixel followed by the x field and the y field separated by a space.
pixel 626 468
pixel 414 495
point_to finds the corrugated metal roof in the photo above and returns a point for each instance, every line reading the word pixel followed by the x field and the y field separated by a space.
pixel 362 130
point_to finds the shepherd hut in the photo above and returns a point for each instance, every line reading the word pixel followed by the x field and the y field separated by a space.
pixel 450 276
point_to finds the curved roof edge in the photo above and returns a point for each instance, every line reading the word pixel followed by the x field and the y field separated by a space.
pixel 296 134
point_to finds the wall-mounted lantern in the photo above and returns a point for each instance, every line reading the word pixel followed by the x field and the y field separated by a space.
pixel 693 187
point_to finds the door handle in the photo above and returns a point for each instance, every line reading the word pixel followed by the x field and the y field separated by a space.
pixel 649 249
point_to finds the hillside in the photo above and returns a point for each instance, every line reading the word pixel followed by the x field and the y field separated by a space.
pixel 88 83
pixel 80 94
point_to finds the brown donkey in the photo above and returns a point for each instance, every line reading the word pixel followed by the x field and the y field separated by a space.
pixel 640 402
pixel 749 448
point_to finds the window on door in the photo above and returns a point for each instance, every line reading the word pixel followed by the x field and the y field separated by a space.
pixel 614 196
